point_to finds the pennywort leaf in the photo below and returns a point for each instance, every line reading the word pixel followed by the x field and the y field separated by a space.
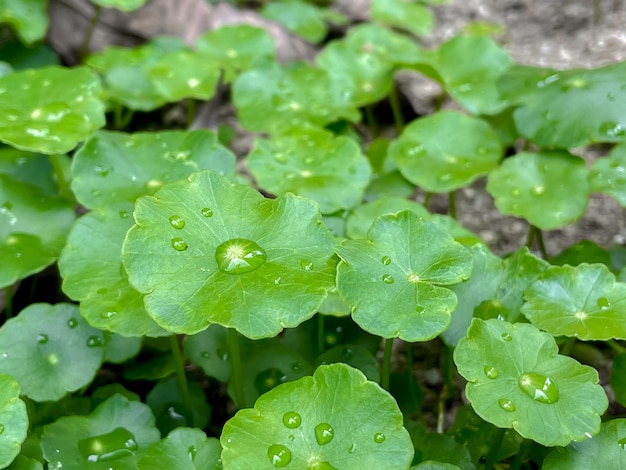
pixel 14 421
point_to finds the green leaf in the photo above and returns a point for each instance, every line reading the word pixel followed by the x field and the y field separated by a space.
pixel 355 356
pixel 302 18
pixel 446 151
pixel 114 166
pixel 395 48
pixel 411 16
pixel 470 66
pixel 183 449
pixel 516 378
pixel 569 108
pixel 123 5
pixel 50 109
pixel 584 251
pixel 209 349
pixel 33 228
pixel 618 378
pixel 237 48
pixel 434 465
pixel 30 168
pixel 119 349
pixel 274 98
pixel 430 445
pixel 29 18
pixel 606 450
pixel 312 163
pixel 92 272
pixel 50 350
pixel 583 301
pixel 394 280
pixel 115 435
pixel 24 463
pixel 206 251
pixel 23 57
pixel 608 175
pixel 324 435
pixel 14 421
pixel 525 186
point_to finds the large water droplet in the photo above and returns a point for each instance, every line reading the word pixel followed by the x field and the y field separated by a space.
pixel 324 433
pixel 116 444
pixel 388 279
pixel 72 323
pixel 179 244
pixel 177 222
pixel 603 303
pixel 108 314
pixel 306 265
pixel 506 337
pixel 379 438
pixel 292 420
pixel 491 372
pixel 94 342
pixel 207 212
pixel 386 260
pixel 279 455
pixel 539 387
pixel 42 338
pixel 506 405
pixel 238 256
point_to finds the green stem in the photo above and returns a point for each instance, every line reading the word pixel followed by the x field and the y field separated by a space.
pixel 84 48
pixel 8 301
pixel 191 111
pixel 396 109
pixel 531 236
pixel 542 247
pixel 452 204
pixel 320 334
pixel 492 455
pixel 597 12
pixel 440 100
pixel 441 411
pixel 615 346
pixel 520 456
pixel 180 375
pixel 59 174
pixel 235 364
pixel 371 121
pixel 386 366
pixel 448 370
pixel 409 366
pixel 427 199
pixel 567 346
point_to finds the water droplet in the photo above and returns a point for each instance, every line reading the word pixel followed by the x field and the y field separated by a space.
pixel 603 303
pixel 386 260
pixel 482 150
pixel 506 405
pixel 114 445
pixel 612 129
pixel 539 387
pixel 179 244
pixel 238 256
pixel 191 451
pixel 296 366
pixel 379 438
pixel 124 214
pixel 5 355
pixel 306 265
pixel 108 314
pixel 444 178
pixel 177 222
pixel 207 212
pixel 279 455
pixel 539 190
pixel 280 158
pixel 205 354
pixel 621 442
pixel 610 96
pixel 72 323
pixel 352 448
pixel 291 437
pixel 94 342
pixel 292 420
pixel 515 192
pixel 324 433
pixel 154 184
pixel 42 338
pixel 419 309
pixel 277 280
pixel 388 279
pixel 507 337
pixel 415 150
pixel 1 428
pixel 102 170
pixel 491 372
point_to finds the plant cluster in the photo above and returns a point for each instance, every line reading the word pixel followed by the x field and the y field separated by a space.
pixel 193 286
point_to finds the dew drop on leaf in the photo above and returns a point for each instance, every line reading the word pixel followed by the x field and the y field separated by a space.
pixel 538 190
pixel 491 372
pixel 279 455
pixel 621 442
pixel 280 158
pixel 179 244
pixel 72 323
pixel 324 433
pixel 386 260
pixel 352 448
pixel 506 337
pixel 306 265
pixel 177 222
pixel 42 338
pixel 419 309
pixel 539 387
pixel 506 405
pixel 191 451
pixel 612 129
pixel 108 314
pixel 204 354
pixel 379 438
pixel 238 256
pixel 124 214
pixel 603 303
pixel 114 445
pixel 94 342
pixel 1 428
pixel 292 420
pixel 388 279
pixel 296 366
pixel 207 212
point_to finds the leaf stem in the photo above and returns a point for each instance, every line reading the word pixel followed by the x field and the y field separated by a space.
pixel 427 199
pixel 386 366
pixel 567 346
pixel 84 48
pixel 320 333
pixel 59 175
pixel 615 346
pixel 180 375
pixel 440 100
pixel 531 236
pixel 396 109
pixel 409 366
pixel 448 388
pixel 521 455
pixel 371 121
pixel 8 301
pixel 235 363
pixel 452 204
pixel 191 111
pixel 542 247
pixel 492 455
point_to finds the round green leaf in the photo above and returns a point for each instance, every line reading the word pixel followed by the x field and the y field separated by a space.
pixel 92 272
pixel 584 251
pixel 114 166
pixel 183 449
pixel 115 435
pixel 394 47
pixel 429 445
pixel 583 301
pixel 606 450
pixel 33 228
pixel 312 163
pixel 569 108
pixel 355 356
pixel 446 151
pixel 123 5
pixel 29 18
pixel 299 424
pixel 302 18
pixel 50 350
pixel 30 168
pixel 525 186
pixel 413 17
pixel 516 378
pixel 13 421
pixel 393 281
pixel 207 251
pixel 50 109
pixel 608 175
pixel 273 98
pixel 209 349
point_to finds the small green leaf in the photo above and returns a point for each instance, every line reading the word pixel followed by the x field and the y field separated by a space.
pixel 13 420
pixel 209 349
pixel 239 260
pixel 23 57
pixel 29 18
pixel 50 350
pixel 446 151
pixel 411 16
pixel 583 301
pixel 312 163
pixel 516 378
pixel 30 168
pixel 606 450
pixel 525 186
pixel 618 378
pixel 50 109
pixel 584 251
pixel 183 449
pixel 393 281
pixel 429 445
pixel 302 18
pixel 119 349
pixel 608 175
pixel 298 424
pixel 355 356
pixel 395 48
pixel 123 5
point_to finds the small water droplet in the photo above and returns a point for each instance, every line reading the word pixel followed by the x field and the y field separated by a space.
pixel 292 420
pixel 124 214
pixel 379 438
pixel 386 260
pixel 324 433
pixel 179 244
pixel 101 170
pixel 507 337
pixel 482 150
pixel 238 256
pixel 306 265
pixel 506 405
pixel 515 192
pixel 108 314
pixel 4 356
pixel 291 437
pixel 388 279
pixel 94 342
pixel 539 387
pixel 72 323
pixel 205 354
pixel 191 452
pixel 1 428
pixel 42 338
pixel 491 372
pixel 352 448
pixel 610 96
pixel 612 129
pixel 296 366
pixel 538 190
pixel 207 212
pixel 280 157
pixel 603 303
pixel 444 178
pixel 419 309
pixel 279 455
pixel 177 222
pixel 622 443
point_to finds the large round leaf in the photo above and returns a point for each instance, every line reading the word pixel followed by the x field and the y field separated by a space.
pixel 335 419
pixel 50 109
pixel 608 175
pixel 314 164
pixel 446 151
pixel 393 281
pixel 29 18
pixel 525 186
pixel 206 251
pixel 583 301
pixel 114 166
pixel 50 350
pixel 92 272
pixel 13 421
pixel 517 379
pixel 411 16
pixel 569 108
pixel 115 435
